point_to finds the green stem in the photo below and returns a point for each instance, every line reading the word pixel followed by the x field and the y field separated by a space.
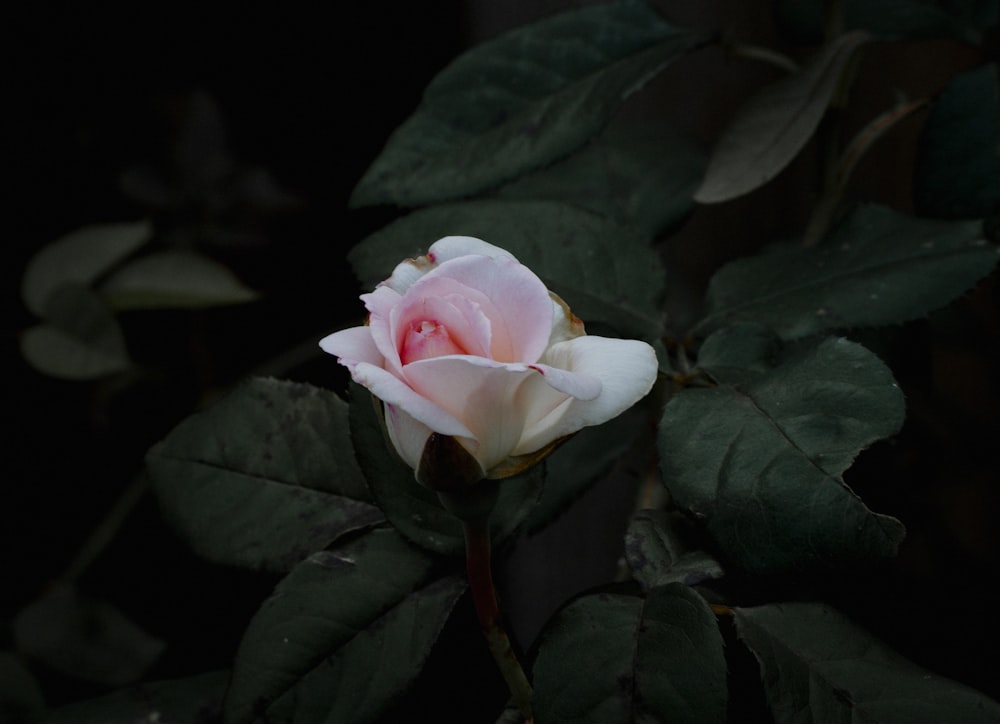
pixel 479 569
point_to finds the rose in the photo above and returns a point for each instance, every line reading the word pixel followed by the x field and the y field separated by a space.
pixel 467 342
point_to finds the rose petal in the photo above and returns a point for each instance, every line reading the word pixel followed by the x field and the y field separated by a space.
pixel 354 344
pixel 449 247
pixel 407 435
pixel 380 305
pixel 393 391
pixel 479 392
pixel 626 369
pixel 452 247
pixel 521 309
pixel 463 318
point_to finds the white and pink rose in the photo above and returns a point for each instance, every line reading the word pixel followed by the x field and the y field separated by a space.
pixel 468 342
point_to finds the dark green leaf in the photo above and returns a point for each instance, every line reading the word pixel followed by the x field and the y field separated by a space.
pixel 958 162
pixel 761 461
pixel 605 272
pixel 803 20
pixel 413 509
pixel 878 267
pixel 192 700
pixel 264 477
pixel 740 353
pixel 580 462
pixel 773 126
pixel 657 555
pixel 638 175
pixel 175 279
pixel 521 101
pixel 365 675
pixel 609 658
pixel 21 699
pixel 818 666
pixel 79 258
pixel 81 339
pixel 85 638
pixel 346 630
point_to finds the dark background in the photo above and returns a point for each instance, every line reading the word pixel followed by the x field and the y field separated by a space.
pixel 311 96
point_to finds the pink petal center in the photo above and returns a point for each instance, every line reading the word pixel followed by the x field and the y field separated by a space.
pixel 427 338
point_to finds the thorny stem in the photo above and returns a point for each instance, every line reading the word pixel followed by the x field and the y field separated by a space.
pixel 479 570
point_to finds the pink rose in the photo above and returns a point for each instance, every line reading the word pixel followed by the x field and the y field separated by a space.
pixel 468 342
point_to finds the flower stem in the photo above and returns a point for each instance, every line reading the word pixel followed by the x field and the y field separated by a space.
pixel 479 569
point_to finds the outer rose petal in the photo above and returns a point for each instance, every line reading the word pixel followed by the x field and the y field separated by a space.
pixel 407 435
pixel 352 345
pixel 482 394
pixel 626 368
pixel 450 247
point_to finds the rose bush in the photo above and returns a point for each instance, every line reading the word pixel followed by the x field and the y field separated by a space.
pixel 468 342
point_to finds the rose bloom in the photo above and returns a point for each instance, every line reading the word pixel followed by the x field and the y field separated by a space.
pixel 468 342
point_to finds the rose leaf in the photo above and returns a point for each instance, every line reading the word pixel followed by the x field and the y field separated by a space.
pixel 191 699
pixel 773 126
pixel 759 458
pixel 610 657
pixel 343 635
pixel 262 478
pixel 878 267
pixel 521 101
pixel 817 665
pixel 657 555
pixel 638 175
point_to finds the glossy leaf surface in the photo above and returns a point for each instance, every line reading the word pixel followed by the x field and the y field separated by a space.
pixel 608 658
pixel 819 666
pixel 878 267
pixel 521 101
pixel 760 458
pixel 264 477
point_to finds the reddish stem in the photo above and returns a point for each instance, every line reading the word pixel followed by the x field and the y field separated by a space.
pixel 479 569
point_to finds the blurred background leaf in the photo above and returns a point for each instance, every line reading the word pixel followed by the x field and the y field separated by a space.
pixel 967 20
pixel 772 127
pixel 79 257
pixel 958 159
pixel 81 339
pixel 85 638
pixel 21 698
pixel 174 279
